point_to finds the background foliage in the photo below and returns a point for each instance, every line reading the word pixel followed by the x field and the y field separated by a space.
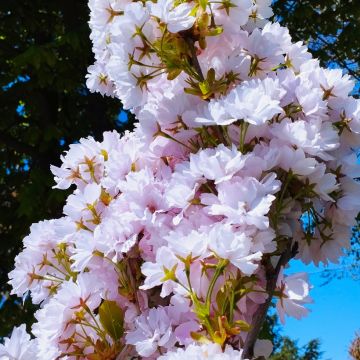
pixel 286 348
pixel 331 29
pixel 44 52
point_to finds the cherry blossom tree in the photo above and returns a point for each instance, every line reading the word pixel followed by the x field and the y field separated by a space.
pixel 178 235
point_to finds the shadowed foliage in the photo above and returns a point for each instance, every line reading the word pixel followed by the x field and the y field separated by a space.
pixel 286 348
pixel 44 52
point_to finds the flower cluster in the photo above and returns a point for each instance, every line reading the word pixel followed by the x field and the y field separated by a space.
pixel 176 236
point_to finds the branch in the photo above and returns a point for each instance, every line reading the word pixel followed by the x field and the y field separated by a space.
pixel 259 318
pixel 194 59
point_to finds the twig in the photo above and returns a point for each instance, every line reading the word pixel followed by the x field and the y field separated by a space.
pixel 194 59
pixel 259 318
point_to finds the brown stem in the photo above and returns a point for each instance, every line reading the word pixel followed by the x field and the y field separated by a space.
pixel 259 318
pixel 194 59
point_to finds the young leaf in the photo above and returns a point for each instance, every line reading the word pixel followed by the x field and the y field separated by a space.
pixel 112 319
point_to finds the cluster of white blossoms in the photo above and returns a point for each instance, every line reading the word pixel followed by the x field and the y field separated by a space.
pixel 175 239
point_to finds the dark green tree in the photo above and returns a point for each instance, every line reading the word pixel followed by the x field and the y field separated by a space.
pixel 289 350
pixel 44 53
pixel 286 348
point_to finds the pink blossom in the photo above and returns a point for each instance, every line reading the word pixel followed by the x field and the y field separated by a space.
pixel 295 290
pixel 153 330
pixel 19 346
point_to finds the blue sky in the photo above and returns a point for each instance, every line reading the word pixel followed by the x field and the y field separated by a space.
pixel 334 317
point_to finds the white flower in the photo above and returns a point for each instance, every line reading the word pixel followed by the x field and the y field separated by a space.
pixel 103 12
pixel 56 317
pixel 116 235
pixel 296 55
pixel 330 250
pixel 316 138
pixel 266 49
pixel 255 101
pixel 177 18
pixel 244 200
pixel 19 346
pixel 218 164
pixel 263 348
pixel 350 200
pixel 183 186
pixel 238 12
pixel 156 273
pixel 261 11
pixel 209 351
pixel 37 259
pixel 210 113
pixel 313 106
pixel 82 164
pixel 295 289
pixel 296 161
pixel 126 84
pixel 325 183
pixel 348 109
pixel 85 206
pixel 98 80
pixel 333 83
pixel 84 251
pixel 153 329
pixel 194 243
pixel 234 246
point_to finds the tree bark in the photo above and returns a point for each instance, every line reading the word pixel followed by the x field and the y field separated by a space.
pixel 272 275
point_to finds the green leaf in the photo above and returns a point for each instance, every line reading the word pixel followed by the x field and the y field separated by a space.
pixel 200 338
pixel 215 31
pixel 203 4
pixel 173 74
pixel 201 310
pixel 112 319
pixel 192 91
pixel 194 10
pixel 243 325
pixel 204 87
pixel 211 76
